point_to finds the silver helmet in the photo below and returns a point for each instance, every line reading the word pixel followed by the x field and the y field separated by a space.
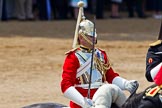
pixel 87 28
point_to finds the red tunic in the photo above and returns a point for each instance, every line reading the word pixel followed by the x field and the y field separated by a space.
pixel 71 64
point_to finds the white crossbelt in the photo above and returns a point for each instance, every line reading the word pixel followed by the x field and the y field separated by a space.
pixel 84 68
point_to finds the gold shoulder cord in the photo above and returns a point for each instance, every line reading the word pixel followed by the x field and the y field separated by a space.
pixel 101 66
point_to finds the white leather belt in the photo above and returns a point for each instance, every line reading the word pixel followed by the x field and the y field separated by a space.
pixel 94 85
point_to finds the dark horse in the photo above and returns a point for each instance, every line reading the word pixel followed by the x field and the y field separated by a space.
pixel 151 97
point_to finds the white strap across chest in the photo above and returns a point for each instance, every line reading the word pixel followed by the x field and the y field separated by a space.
pixel 87 64
pixel 82 69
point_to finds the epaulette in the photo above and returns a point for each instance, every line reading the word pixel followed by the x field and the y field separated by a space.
pixel 156 43
pixel 100 49
pixel 70 51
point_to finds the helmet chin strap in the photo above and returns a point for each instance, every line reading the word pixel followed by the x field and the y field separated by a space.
pixel 83 35
pixel 86 49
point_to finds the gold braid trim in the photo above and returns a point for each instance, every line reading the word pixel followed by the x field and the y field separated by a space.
pixel 101 66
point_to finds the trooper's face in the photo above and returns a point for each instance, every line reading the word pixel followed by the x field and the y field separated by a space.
pixel 87 41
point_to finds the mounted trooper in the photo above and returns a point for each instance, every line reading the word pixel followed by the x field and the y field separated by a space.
pixel 154 61
pixel 105 84
pixel 154 69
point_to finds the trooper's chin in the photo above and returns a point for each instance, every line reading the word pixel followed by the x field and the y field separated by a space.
pixel 86 46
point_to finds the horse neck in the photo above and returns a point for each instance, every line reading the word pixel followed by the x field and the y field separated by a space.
pixel 133 101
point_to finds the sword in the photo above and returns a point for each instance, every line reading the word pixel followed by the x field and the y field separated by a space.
pixel 93 50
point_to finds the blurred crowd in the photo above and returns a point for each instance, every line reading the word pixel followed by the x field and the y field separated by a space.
pixel 31 10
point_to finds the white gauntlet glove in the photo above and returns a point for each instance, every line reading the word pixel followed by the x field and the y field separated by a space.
pixel 72 94
pixel 124 84
pixel 131 86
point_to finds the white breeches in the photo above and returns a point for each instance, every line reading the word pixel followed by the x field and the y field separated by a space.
pixel 108 94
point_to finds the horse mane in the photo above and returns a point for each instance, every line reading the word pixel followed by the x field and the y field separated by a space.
pixel 133 101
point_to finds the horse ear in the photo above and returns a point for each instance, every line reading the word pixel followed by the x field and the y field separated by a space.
pixel 114 105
